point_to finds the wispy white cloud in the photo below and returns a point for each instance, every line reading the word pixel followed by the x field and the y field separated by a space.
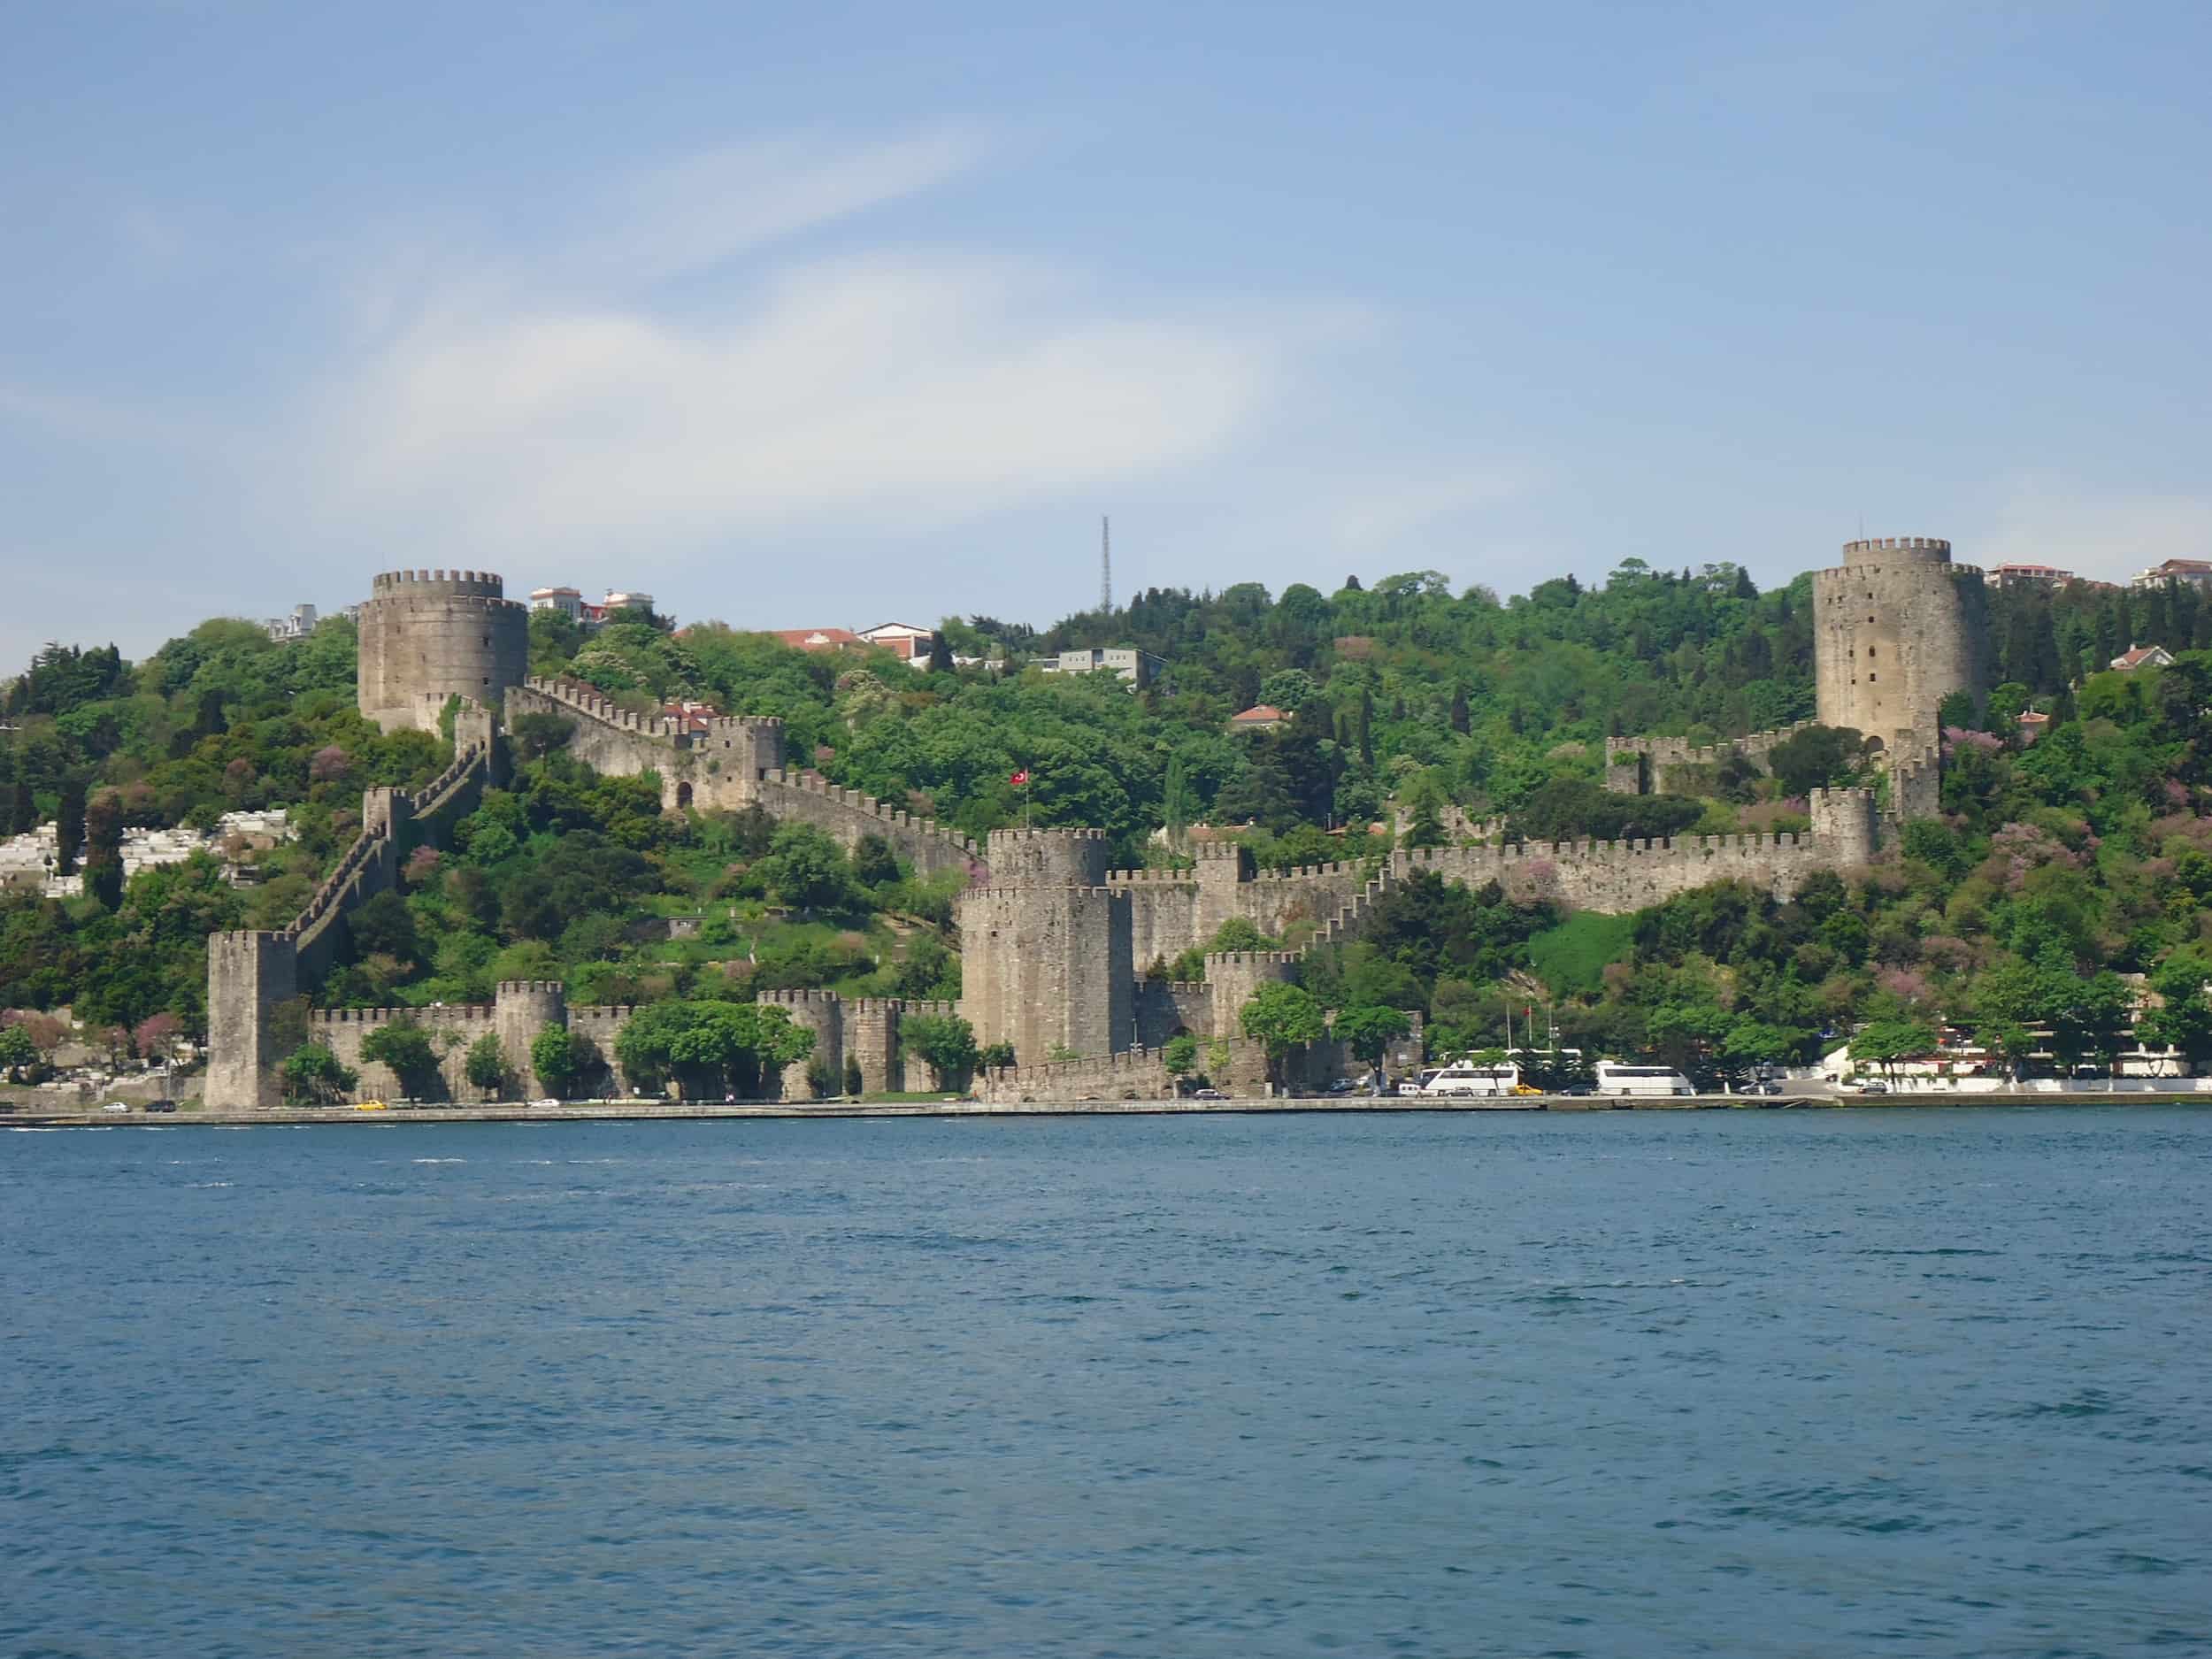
pixel 551 397
pixel 707 209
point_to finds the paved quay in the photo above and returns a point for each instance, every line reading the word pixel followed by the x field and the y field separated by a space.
pixel 644 1111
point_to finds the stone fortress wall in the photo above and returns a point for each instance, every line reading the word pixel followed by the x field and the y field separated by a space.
pixel 250 974
pixel 428 635
pixel 737 762
pixel 1049 963
pixel 1054 943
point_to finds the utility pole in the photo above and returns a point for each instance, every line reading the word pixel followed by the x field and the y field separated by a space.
pixel 1105 567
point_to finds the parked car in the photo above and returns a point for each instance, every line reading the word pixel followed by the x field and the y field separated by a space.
pixel 1576 1091
pixel 546 1104
pixel 115 1106
pixel 1766 1085
pixel 1872 1085
pixel 1409 1087
pixel 370 1106
pixel 1209 1093
pixel 1342 1086
pixel 161 1105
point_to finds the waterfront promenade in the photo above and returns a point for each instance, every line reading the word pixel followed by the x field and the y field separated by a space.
pixel 653 1111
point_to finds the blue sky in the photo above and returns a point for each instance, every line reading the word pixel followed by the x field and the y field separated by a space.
pixel 833 313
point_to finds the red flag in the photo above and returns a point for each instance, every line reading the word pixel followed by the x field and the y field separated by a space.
pixel 1020 779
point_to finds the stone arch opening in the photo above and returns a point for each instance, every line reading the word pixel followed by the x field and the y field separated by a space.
pixel 683 797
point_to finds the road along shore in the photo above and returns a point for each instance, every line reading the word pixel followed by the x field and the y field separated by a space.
pixel 646 1111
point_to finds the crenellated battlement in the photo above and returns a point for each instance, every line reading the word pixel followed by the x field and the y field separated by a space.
pixel 1151 878
pixel 1219 959
pixel 1873 548
pixel 486 584
pixel 447 1014
pixel 1311 873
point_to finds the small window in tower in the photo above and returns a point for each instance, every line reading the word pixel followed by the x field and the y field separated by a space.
pixel 1869 680
pixel 487 639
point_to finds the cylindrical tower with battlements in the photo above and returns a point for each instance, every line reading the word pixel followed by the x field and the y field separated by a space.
pixel 1048 858
pixel 1897 628
pixel 427 636
pixel 522 1009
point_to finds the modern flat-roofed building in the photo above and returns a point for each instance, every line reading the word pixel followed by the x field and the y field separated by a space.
pixel 2198 572
pixel 2027 576
pixel 1139 668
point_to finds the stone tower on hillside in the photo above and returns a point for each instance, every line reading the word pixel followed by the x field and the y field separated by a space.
pixel 1897 628
pixel 1045 949
pixel 428 635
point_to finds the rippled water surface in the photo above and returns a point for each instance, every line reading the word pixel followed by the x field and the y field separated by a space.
pixel 1844 1383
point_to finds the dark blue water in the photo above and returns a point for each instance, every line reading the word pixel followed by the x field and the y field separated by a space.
pixel 1835 1384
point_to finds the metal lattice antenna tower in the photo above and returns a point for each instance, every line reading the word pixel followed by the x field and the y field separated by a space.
pixel 1105 567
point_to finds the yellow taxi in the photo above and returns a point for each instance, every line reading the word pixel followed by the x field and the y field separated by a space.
pixel 370 1106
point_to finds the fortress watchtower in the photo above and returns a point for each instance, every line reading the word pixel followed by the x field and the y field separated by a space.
pixel 427 636
pixel 1045 949
pixel 1897 628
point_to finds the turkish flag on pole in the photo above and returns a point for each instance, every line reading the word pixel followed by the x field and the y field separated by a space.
pixel 1020 779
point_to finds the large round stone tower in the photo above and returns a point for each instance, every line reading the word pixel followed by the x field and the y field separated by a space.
pixel 1045 949
pixel 1897 628
pixel 427 636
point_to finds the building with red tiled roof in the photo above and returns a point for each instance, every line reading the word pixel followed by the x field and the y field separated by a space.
pixel 819 639
pixel 2143 656
pixel 1261 716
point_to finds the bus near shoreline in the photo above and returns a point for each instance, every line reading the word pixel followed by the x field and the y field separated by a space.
pixel 1615 1078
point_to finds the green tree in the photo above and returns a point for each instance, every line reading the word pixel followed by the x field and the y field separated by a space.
pixel 854 1082
pixel 1282 1018
pixel 486 1067
pixel 1884 1042
pixel 404 1047
pixel 69 827
pixel 1179 1055
pixel 1369 1031
pixel 313 1076
pixel 945 1041
pixel 104 849
pixel 1816 757
pixel 534 736
pixel 17 1050
pixel 873 862
pixel 561 1058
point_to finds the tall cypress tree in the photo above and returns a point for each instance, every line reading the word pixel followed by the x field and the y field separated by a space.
pixel 69 827
pixel 104 849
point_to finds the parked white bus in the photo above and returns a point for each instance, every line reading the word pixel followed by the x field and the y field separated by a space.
pixel 1613 1078
pixel 1463 1080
